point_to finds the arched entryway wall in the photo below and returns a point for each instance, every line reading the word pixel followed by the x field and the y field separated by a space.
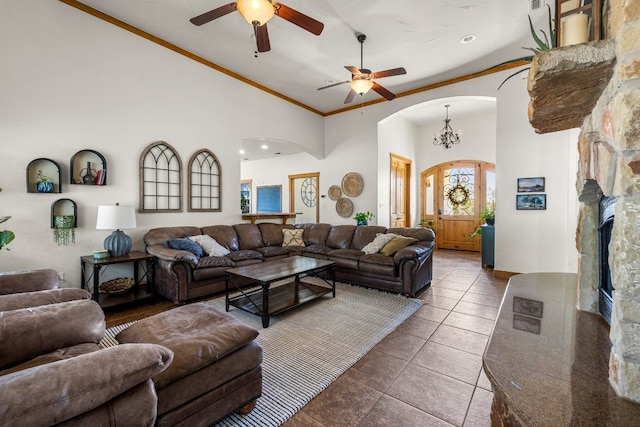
pixel 409 133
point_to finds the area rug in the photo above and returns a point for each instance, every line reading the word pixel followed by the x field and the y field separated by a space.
pixel 307 348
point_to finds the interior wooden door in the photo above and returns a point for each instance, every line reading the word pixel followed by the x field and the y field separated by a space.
pixel 303 197
pixel 400 196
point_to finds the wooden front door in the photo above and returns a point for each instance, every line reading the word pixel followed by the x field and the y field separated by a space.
pixel 452 197
pixel 400 196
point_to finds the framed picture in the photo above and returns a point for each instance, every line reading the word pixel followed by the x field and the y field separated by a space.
pixel 531 185
pixel 531 202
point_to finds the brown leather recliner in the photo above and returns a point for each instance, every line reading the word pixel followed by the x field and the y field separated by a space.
pixel 53 372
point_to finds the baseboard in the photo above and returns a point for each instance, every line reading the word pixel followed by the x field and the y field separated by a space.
pixel 499 274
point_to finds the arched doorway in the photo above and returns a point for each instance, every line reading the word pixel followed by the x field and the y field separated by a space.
pixel 452 195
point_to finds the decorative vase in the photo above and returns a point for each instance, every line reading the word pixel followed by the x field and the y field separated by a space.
pixel 64 229
pixel 491 221
pixel 88 177
pixel 362 222
pixel 44 187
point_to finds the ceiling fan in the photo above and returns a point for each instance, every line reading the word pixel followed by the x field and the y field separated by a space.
pixel 362 79
pixel 257 13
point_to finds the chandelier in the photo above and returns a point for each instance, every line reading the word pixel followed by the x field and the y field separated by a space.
pixel 447 137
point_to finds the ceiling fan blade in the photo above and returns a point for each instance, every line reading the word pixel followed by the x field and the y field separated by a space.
pixel 389 73
pixel 382 91
pixel 214 14
pixel 353 70
pixel 334 84
pixel 301 20
pixel 352 94
pixel 262 38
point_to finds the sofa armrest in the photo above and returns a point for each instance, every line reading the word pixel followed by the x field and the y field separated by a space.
pixel 169 254
pixel 55 392
pixel 49 296
pixel 415 251
pixel 30 332
pixel 12 282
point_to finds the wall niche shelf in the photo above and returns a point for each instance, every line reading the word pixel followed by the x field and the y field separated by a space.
pixel 88 167
pixel 47 168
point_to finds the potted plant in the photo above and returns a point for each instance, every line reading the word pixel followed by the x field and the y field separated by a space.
pixel 362 218
pixel 43 185
pixel 6 236
pixel 488 214
pixel 426 224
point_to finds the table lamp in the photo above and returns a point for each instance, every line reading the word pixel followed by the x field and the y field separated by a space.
pixel 116 217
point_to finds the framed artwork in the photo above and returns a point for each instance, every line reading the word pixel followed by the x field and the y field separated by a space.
pixel 531 185
pixel 531 202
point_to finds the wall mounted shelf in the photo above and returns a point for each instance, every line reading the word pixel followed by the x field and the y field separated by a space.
pixel 47 168
pixel 88 167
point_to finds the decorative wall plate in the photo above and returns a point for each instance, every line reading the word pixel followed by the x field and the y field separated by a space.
pixel 334 192
pixel 344 207
pixel 352 184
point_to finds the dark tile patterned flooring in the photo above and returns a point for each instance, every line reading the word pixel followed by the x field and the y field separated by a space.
pixel 428 372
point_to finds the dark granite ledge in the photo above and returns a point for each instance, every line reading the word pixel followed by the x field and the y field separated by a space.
pixel 548 362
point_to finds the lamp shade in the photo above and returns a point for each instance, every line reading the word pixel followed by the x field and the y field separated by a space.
pixel 259 11
pixel 361 86
pixel 115 217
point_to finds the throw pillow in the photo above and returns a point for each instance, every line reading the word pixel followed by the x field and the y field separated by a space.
pixel 396 244
pixel 185 245
pixel 210 246
pixel 292 237
pixel 378 243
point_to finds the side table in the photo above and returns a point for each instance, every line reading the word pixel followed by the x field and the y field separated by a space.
pixel 90 269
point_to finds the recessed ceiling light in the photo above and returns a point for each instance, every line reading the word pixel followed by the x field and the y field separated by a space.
pixel 468 38
pixel 241 151
pixel 264 147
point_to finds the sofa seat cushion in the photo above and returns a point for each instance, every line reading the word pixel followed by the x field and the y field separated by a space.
pixel 54 356
pixel 345 258
pixel 378 264
pixel 215 261
pixel 316 250
pixel 273 251
pixel 198 335
pixel 245 255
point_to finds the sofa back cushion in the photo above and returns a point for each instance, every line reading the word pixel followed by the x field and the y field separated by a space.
pixel 158 236
pixel 249 236
pixel 224 234
pixel 340 236
pixel 365 234
pixel 272 233
pixel 314 234
pixel 421 234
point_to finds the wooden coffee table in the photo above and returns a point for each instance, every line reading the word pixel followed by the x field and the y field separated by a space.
pixel 252 290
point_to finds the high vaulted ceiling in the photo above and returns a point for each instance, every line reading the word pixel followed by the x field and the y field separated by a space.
pixel 423 36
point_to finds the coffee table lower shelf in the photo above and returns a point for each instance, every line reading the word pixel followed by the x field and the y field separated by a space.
pixel 279 299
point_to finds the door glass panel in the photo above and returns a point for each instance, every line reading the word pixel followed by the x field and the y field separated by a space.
pixel 429 199
pixel 458 194
pixel 491 190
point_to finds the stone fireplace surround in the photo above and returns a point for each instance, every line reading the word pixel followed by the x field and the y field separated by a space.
pixel 562 84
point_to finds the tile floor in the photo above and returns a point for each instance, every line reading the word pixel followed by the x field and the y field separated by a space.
pixel 428 372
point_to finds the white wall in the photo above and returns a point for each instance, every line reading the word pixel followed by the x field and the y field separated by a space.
pixel 72 82
pixel 534 241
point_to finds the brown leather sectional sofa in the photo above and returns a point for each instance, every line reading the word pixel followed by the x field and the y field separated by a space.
pixel 181 276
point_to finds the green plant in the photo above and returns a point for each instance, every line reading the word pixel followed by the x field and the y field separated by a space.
pixel 426 224
pixel 545 43
pixel 488 212
pixel 42 177
pixel 363 216
pixel 6 236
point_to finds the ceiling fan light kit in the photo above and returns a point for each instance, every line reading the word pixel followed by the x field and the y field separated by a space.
pixel 447 137
pixel 361 86
pixel 256 12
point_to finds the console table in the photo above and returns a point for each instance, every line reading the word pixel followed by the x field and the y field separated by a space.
pixel 548 362
pixel 90 269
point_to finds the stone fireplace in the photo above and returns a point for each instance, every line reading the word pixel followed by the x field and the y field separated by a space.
pixel 596 87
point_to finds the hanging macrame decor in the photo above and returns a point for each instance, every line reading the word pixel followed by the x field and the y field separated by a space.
pixel 64 229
